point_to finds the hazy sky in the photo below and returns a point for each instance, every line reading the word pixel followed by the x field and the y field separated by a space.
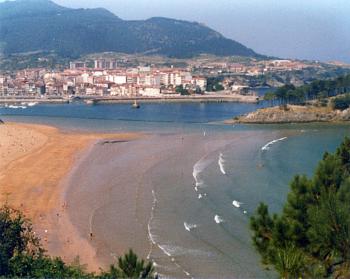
pixel 312 29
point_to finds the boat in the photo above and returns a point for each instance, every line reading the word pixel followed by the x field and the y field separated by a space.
pixel 135 105
pixel 90 102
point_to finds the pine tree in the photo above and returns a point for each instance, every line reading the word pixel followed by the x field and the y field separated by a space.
pixel 314 225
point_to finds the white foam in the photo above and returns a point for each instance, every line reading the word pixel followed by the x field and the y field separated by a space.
pixel 165 251
pixel 154 197
pixel 198 168
pixel 189 227
pixel 268 145
pixel 151 236
pixel 178 251
pixel 221 163
pixel 155 264
pixel 236 204
pixel 32 104
pixel 17 107
pixel 218 219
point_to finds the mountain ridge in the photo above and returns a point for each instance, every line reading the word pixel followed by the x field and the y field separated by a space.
pixel 32 25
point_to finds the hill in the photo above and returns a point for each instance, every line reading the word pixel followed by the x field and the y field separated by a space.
pixel 42 25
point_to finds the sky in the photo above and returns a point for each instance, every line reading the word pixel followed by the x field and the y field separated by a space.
pixel 304 29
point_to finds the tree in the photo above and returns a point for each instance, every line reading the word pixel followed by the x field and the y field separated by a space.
pixel 129 266
pixel 270 96
pixel 311 236
pixel 341 102
pixel 16 237
pixel 317 89
pixel 45 267
pixel 21 255
pixel 183 91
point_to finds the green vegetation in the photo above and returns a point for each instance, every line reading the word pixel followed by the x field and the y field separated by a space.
pixel 130 266
pixel 311 237
pixel 183 91
pixel 215 84
pixel 41 25
pixel 45 60
pixel 341 102
pixel 317 89
pixel 21 255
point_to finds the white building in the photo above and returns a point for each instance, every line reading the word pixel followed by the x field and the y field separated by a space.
pixel 150 91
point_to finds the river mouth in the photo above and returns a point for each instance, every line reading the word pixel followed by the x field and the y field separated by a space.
pixel 182 195
pixel 184 200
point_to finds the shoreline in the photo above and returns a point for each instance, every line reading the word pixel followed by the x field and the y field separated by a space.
pixel 292 114
pixel 33 179
pixel 116 189
pixel 219 98
pixel 123 203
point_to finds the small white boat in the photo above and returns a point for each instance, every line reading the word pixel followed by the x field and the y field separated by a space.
pixel 135 105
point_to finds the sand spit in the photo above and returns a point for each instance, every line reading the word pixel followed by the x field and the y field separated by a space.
pixel 34 160
pixel 292 114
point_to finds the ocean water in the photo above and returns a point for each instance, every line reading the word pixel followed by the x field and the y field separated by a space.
pixel 196 181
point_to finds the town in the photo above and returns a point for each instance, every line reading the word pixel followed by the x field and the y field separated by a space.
pixel 120 79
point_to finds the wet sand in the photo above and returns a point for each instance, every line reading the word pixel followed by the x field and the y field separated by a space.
pixel 115 189
pixel 35 159
pixel 98 198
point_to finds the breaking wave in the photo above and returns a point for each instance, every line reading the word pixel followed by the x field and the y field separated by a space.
pixel 218 219
pixel 151 236
pixel 168 250
pixel 198 168
pixel 268 145
pixel 221 163
pixel 236 204
pixel 189 227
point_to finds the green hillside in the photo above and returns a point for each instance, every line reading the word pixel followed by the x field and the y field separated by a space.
pixel 41 25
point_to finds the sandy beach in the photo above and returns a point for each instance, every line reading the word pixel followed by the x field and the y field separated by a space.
pixel 97 195
pixel 139 194
pixel 35 160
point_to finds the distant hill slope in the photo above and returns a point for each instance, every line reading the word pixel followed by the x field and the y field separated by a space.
pixel 42 25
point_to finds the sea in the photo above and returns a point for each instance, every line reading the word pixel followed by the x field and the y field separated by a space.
pixel 203 195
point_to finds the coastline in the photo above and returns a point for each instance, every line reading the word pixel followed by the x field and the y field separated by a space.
pixel 116 100
pixel 139 194
pixel 127 193
pixel 36 160
pixel 292 114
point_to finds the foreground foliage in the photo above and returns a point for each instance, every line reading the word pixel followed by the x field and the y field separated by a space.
pixel 22 255
pixel 130 266
pixel 311 237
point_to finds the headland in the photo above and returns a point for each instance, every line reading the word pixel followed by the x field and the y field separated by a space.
pixel 292 114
